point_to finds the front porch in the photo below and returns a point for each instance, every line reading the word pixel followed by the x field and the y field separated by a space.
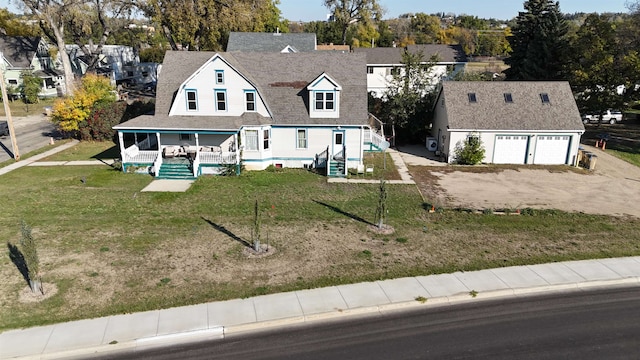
pixel 144 153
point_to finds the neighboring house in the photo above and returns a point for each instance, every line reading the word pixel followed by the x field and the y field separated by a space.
pixel 531 122
pixel 120 63
pixel 20 53
pixel 216 111
pixel 383 63
pixel 271 42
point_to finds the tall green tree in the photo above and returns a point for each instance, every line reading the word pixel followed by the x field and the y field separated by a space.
pixel 425 28
pixel 326 32
pixel 598 65
pixel 348 12
pixel 206 24
pixel 538 43
pixel 407 101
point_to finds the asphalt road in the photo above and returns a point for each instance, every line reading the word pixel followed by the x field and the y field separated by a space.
pixel 32 133
pixel 583 325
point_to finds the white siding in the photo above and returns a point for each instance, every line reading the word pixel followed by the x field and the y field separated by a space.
pixel 378 82
pixel 204 82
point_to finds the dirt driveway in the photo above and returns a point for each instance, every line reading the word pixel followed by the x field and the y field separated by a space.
pixel 613 188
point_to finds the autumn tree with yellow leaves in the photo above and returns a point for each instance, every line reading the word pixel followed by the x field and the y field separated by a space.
pixel 69 112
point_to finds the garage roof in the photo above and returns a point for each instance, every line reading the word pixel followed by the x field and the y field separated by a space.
pixel 509 105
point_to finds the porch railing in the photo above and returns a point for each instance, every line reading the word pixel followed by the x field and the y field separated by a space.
pixel 373 138
pixel 134 155
pixel 322 160
pixel 217 158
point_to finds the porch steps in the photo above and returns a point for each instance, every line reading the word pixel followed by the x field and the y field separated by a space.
pixel 180 171
pixel 336 169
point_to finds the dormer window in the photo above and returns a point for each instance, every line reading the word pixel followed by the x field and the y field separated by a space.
pixel 508 98
pixel 545 98
pixel 192 100
pixel 472 97
pixel 324 97
pixel 325 101
pixel 219 76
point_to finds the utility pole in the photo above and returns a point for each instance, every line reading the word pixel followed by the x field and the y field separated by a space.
pixel 7 110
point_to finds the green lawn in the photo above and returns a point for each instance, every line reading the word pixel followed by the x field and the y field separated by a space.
pixel 110 248
pixel 633 158
pixel 19 108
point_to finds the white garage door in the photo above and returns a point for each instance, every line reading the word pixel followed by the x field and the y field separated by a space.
pixel 551 150
pixel 510 149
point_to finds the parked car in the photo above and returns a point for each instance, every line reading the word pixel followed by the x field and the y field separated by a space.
pixel 608 117
pixel 4 128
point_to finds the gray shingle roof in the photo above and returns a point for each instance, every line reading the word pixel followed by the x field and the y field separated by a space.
pixel 271 42
pixel 281 79
pixel 526 112
pixel 393 56
pixel 19 50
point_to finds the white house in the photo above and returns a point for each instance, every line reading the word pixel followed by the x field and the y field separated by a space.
pixel 119 62
pixel 383 63
pixel 529 122
pixel 216 110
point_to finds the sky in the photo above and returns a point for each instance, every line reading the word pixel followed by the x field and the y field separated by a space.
pixel 311 10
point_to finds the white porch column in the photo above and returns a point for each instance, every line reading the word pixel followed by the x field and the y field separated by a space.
pixel 361 144
pixel 159 145
pixel 237 148
pixel 121 141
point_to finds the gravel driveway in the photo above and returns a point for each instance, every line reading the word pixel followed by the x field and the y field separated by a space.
pixel 613 188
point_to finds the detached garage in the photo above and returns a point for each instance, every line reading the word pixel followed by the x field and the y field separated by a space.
pixel 531 122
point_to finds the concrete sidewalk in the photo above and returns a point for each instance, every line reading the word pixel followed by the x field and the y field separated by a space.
pixel 132 332
pixel 31 161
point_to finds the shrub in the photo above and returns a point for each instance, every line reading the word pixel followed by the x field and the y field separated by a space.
pixel 470 152
pixel 105 114
pixel 69 112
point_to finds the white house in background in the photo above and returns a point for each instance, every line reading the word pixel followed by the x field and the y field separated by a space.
pixel 119 62
pixel 216 111
pixel 382 63
pixel 532 122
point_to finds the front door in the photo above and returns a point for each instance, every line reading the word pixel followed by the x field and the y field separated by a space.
pixel 338 141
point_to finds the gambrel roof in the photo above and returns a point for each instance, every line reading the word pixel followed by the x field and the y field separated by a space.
pixel 19 51
pixel 393 56
pixel 271 42
pixel 281 80
pixel 527 109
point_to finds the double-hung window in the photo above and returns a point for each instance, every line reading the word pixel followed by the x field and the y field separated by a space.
pixel 266 139
pixel 221 100
pixel 301 137
pixel 251 138
pixel 250 100
pixel 219 77
pixel 192 100
pixel 325 100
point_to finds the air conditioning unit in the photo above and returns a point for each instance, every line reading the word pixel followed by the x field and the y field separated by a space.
pixel 432 144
